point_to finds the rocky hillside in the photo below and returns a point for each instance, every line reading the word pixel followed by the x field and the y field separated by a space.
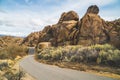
pixel 70 30
pixel 31 39
pixel 7 40
pixel 114 32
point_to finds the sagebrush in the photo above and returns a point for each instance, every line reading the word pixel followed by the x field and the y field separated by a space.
pixel 99 54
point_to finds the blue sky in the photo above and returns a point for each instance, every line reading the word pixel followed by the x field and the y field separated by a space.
pixel 21 17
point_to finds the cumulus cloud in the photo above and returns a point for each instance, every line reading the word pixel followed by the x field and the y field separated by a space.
pixel 33 17
pixel 13 33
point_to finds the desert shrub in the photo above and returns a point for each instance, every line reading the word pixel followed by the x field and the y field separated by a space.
pixel 3 65
pixel 14 76
pixel 1 78
pixel 56 55
pixel 110 57
pixel 46 56
pixel 104 47
pixel 16 50
pixel 76 58
pixel 4 54
pixel 84 55
pixel 98 54
pixel 12 51
pixel 107 54
pixel 51 53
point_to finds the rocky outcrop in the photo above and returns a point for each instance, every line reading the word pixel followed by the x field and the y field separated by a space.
pixel 60 33
pixel 93 9
pixel 90 29
pixel 31 39
pixel 114 32
pixel 93 28
pixel 5 41
pixel 71 15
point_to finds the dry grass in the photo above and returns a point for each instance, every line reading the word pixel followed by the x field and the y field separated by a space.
pixel 12 51
pixel 8 71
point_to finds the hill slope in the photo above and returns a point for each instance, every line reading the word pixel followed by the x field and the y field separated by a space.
pixel 7 40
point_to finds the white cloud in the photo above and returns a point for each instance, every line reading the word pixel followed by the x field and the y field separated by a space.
pixel 13 33
pixel 34 19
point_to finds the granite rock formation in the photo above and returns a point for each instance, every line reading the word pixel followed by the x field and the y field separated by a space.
pixel 90 29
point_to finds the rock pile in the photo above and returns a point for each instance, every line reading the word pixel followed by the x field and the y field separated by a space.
pixel 90 29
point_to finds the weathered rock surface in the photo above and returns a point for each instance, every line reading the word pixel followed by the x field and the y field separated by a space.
pixel 114 32
pixel 93 9
pixel 58 33
pixel 31 39
pixel 71 15
pixel 93 28
pixel 90 29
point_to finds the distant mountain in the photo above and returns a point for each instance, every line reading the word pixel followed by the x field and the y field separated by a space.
pixel 90 29
pixel 1 35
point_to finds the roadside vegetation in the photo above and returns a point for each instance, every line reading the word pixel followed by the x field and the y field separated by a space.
pixel 97 57
pixel 9 56
pixel 13 50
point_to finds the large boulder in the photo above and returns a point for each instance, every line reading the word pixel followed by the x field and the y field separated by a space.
pixel 60 33
pixel 92 28
pixel 64 30
pixel 44 45
pixel 93 9
pixel 71 15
